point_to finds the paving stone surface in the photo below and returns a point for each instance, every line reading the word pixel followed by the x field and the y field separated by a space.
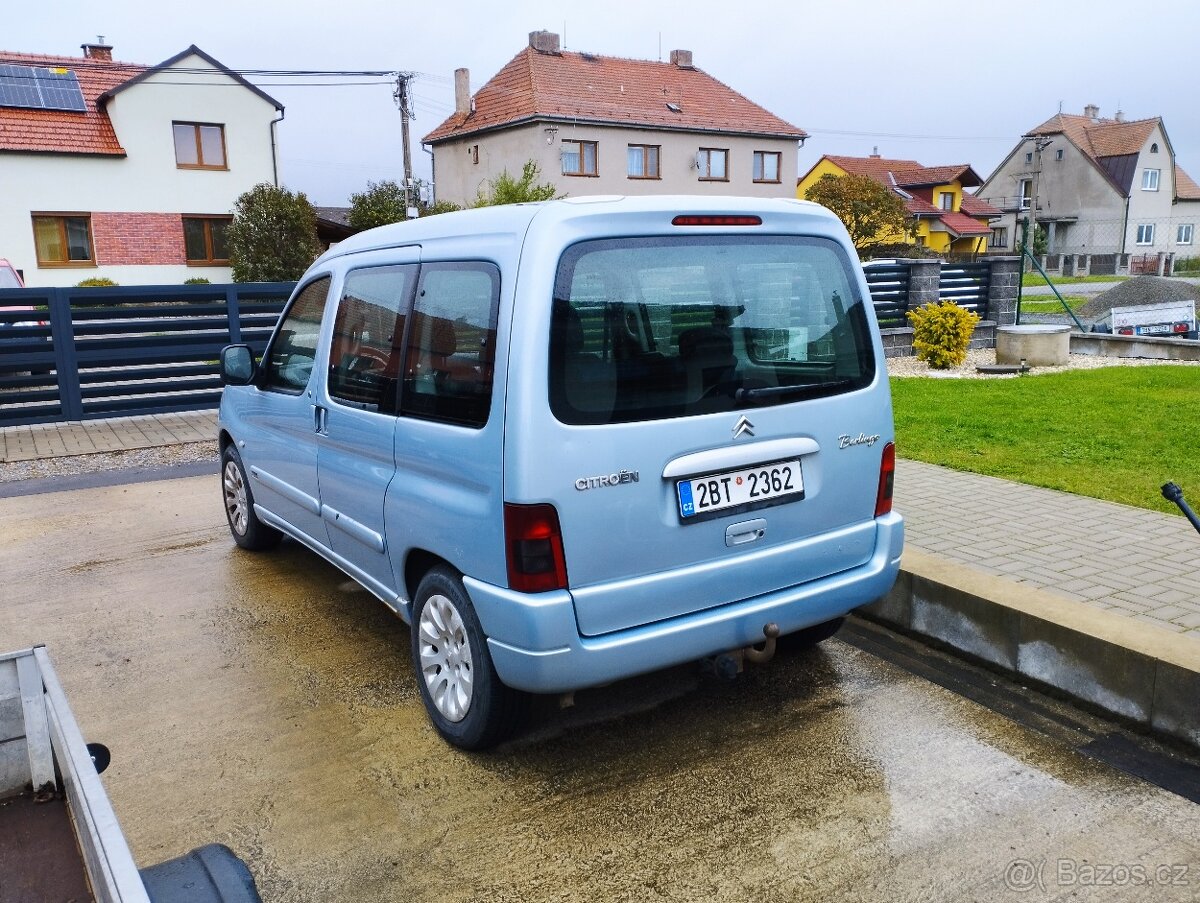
pixel 1132 562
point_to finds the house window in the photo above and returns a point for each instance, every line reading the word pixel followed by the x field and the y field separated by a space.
pixel 1029 157
pixel 1150 179
pixel 579 158
pixel 1154 148
pixel 1145 234
pixel 199 145
pixel 205 240
pixel 642 161
pixel 1000 237
pixel 1183 235
pixel 946 200
pixel 1058 154
pixel 767 166
pixel 1026 193
pixel 712 163
pixel 63 240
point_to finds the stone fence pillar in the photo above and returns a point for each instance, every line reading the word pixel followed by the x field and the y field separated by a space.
pixel 924 282
pixel 1003 282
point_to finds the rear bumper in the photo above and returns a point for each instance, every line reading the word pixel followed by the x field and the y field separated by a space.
pixel 536 645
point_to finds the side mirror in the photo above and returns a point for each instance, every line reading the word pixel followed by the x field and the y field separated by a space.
pixel 237 365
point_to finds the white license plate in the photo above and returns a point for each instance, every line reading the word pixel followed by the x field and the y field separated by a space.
pixel 735 488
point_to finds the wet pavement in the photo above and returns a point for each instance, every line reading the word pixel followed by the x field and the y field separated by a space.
pixel 267 702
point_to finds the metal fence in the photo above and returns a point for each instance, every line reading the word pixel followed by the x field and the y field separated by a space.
pixel 966 284
pixel 889 291
pixel 87 353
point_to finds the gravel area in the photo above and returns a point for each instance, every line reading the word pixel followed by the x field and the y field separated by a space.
pixel 164 456
pixel 910 366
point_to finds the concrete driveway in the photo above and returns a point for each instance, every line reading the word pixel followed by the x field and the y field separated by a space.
pixel 268 702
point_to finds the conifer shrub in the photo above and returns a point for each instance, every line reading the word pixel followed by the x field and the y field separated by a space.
pixel 942 333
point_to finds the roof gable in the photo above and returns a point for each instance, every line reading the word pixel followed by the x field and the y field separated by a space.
pixel 193 50
pixel 570 86
pixel 1112 146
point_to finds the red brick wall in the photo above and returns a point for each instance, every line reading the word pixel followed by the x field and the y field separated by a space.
pixel 138 238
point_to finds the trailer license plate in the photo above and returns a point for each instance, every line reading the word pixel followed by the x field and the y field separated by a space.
pixel 735 488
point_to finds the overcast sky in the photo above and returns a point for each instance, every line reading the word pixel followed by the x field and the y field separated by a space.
pixel 937 83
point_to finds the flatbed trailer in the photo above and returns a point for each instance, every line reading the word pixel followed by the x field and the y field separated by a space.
pixel 61 837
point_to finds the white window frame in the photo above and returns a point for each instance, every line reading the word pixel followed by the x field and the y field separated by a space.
pixel 1026 199
pixel 1185 233
pixel 999 237
pixel 1150 179
pixel 1059 154
pixel 1145 233
pixel 946 201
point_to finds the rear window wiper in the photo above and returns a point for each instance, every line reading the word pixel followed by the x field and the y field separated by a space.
pixel 770 391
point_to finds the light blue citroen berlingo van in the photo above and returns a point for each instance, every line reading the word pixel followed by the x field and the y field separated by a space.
pixel 575 441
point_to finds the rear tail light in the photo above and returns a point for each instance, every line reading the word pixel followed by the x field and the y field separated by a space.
pixel 534 547
pixel 887 477
pixel 1181 327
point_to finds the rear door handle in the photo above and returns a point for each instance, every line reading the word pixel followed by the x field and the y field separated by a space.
pixel 319 419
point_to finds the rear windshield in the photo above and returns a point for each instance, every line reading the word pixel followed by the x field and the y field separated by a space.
pixel 650 328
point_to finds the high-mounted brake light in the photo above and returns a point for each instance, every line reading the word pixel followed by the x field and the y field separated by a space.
pixel 534 548
pixel 887 477
pixel 707 220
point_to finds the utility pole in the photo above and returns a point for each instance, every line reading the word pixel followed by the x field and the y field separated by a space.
pixel 404 102
pixel 1039 145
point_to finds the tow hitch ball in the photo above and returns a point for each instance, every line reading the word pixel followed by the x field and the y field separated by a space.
pixel 730 664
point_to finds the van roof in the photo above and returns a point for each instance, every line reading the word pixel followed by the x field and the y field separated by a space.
pixel 514 219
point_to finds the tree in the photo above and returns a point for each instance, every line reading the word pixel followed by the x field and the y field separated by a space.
pixel 504 189
pixel 273 236
pixel 382 203
pixel 870 211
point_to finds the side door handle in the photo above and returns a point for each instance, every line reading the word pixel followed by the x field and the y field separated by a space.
pixel 320 414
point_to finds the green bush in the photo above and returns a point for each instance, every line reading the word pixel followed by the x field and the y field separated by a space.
pixel 196 280
pixel 942 333
pixel 95 282
pixel 899 250
pixel 1187 265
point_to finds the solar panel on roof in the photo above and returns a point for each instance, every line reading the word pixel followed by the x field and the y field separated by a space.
pixel 39 88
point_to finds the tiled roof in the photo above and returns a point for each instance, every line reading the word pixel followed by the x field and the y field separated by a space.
pixel 1185 186
pixel 63 131
pixel 965 225
pixel 599 89
pixel 875 167
pixel 937 175
pixel 1100 137
pixel 973 206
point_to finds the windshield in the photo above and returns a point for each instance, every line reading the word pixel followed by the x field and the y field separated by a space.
pixel 649 328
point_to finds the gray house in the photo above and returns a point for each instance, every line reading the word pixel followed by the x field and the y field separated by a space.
pixel 603 125
pixel 1097 186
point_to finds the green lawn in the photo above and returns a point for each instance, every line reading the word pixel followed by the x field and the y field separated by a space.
pixel 1116 433
pixel 1035 279
pixel 1051 306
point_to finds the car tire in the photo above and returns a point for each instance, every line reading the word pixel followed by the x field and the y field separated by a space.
pixel 466 700
pixel 248 531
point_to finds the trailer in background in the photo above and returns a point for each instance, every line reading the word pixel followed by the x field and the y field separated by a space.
pixel 1165 319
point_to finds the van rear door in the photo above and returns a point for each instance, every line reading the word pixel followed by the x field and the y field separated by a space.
pixel 715 425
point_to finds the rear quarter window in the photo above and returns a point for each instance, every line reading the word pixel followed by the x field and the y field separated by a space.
pixel 650 328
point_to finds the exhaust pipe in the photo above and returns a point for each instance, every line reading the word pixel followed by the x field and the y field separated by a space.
pixel 1173 493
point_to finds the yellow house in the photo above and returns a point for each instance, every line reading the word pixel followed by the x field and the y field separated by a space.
pixel 944 217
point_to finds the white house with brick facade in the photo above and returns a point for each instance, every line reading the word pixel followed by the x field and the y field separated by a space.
pixel 110 169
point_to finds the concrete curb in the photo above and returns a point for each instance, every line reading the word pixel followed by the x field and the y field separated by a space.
pixel 1133 670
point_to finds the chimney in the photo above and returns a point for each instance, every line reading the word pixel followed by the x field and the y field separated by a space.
pixel 97 51
pixel 1119 116
pixel 875 152
pixel 1092 112
pixel 462 91
pixel 544 41
pixel 682 59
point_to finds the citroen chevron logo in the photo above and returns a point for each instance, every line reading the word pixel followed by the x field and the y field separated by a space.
pixel 743 428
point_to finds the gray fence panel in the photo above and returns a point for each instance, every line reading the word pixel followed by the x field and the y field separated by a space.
pixel 85 353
